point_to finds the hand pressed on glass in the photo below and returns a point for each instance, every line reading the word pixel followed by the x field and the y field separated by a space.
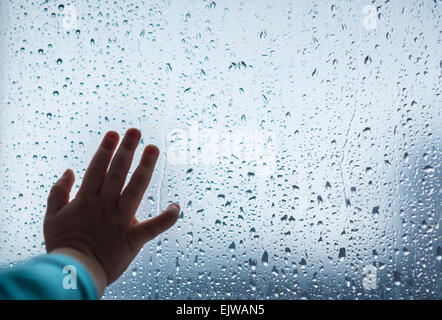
pixel 99 226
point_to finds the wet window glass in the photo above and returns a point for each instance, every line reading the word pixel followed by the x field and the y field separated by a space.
pixel 301 138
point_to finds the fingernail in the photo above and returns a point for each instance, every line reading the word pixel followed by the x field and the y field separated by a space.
pixel 174 206
pixel 110 140
pixel 111 136
pixel 153 150
pixel 65 174
pixel 134 133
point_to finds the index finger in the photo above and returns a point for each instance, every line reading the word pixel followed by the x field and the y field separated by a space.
pixel 95 173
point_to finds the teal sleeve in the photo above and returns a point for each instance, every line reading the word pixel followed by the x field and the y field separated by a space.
pixel 48 277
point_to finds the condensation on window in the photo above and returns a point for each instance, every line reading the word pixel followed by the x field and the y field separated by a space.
pixel 301 138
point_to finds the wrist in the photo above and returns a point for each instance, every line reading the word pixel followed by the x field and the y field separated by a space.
pixel 91 264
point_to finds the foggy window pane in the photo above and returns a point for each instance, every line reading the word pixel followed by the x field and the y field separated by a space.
pixel 301 138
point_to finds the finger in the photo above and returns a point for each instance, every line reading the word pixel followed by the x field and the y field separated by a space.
pixel 147 230
pixel 94 176
pixel 59 194
pixel 135 189
pixel 116 176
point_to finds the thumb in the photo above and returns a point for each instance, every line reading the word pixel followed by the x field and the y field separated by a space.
pixel 147 230
pixel 59 194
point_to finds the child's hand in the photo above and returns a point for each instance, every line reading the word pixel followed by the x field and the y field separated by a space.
pixel 100 224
